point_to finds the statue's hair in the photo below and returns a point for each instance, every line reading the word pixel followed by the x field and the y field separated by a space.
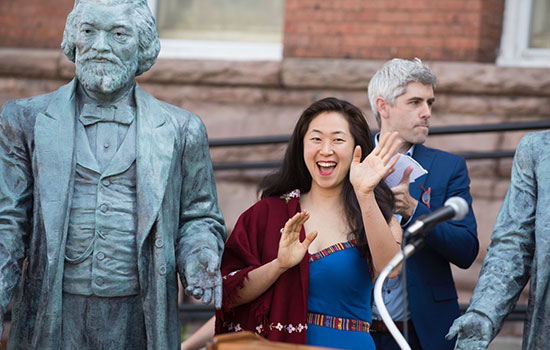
pixel 149 44
pixel 391 81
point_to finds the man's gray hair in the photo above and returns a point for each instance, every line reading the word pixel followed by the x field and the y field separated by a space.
pixel 391 81
pixel 149 44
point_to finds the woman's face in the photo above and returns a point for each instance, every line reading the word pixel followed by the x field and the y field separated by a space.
pixel 328 150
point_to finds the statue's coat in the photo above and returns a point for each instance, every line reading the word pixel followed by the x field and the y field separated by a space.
pixel 520 246
pixel 177 211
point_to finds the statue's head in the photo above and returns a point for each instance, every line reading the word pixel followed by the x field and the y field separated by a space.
pixel 111 42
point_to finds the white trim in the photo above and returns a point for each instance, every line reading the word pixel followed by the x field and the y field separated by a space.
pixel 217 50
pixel 514 50
pixel 221 50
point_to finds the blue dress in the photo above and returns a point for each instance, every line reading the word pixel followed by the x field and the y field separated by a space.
pixel 339 299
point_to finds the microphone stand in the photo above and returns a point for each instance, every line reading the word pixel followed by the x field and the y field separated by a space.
pixel 409 249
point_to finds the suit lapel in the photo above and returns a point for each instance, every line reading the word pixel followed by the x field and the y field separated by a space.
pixel 54 136
pixel 125 156
pixel 155 147
pixel 424 157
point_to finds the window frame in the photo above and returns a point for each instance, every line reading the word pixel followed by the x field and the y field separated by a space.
pixel 514 44
pixel 217 50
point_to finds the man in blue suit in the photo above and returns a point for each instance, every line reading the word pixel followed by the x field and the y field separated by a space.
pixel 401 95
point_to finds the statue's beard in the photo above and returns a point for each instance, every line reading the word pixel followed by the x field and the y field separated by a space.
pixel 104 77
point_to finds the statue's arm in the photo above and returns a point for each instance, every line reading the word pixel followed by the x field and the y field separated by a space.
pixel 16 186
pixel 201 234
pixel 506 268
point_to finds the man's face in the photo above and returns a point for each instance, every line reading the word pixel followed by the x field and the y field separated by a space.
pixel 411 113
pixel 107 47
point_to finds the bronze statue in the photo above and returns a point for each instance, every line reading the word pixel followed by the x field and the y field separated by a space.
pixel 519 252
pixel 106 194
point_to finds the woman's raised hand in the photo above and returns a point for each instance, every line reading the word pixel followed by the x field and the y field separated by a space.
pixel 291 250
pixel 365 175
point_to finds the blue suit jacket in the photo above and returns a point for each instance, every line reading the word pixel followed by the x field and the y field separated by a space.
pixel 431 290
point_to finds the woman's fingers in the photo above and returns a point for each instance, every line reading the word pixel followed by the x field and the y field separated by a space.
pixel 294 225
pixel 357 154
pixel 309 239
pixel 392 163
pixel 396 143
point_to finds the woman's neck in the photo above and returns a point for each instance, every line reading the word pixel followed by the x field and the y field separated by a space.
pixel 320 198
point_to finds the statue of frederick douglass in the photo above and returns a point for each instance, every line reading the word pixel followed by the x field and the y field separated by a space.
pixel 518 253
pixel 106 194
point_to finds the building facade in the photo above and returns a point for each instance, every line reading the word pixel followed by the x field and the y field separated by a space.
pixel 249 67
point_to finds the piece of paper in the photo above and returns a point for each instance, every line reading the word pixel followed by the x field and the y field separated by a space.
pixel 403 163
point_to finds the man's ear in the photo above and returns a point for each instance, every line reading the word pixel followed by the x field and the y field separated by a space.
pixel 383 108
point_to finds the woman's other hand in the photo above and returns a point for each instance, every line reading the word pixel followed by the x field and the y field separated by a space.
pixel 365 175
pixel 291 250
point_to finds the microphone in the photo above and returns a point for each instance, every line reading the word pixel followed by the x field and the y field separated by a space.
pixel 455 208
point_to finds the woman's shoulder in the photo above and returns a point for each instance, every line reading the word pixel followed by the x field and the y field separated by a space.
pixel 281 201
pixel 275 204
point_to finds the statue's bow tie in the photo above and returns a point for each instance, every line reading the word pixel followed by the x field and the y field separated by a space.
pixel 92 114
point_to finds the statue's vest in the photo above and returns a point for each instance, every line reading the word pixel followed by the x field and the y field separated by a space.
pixel 101 251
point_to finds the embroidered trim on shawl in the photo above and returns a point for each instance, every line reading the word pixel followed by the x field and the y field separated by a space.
pixel 288 196
pixel 231 274
pixel 343 324
pixel 289 328
pixel 332 249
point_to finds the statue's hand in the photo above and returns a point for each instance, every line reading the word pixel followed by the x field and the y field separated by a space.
pixel 202 276
pixel 474 331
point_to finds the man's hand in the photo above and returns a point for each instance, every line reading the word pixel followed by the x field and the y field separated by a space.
pixel 202 276
pixel 404 203
pixel 474 331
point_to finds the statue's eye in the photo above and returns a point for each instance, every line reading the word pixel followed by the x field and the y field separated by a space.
pixel 119 35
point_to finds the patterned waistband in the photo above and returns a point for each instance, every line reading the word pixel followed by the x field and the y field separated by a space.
pixel 340 323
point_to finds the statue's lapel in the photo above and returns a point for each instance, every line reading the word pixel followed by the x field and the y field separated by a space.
pixel 54 136
pixel 155 147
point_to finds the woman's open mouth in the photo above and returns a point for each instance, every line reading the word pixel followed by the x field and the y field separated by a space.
pixel 326 168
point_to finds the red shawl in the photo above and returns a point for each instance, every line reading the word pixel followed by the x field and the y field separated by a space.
pixel 280 313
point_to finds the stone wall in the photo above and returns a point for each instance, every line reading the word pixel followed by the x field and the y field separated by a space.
pixel 245 99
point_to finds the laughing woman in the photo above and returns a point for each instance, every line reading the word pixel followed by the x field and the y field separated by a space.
pixel 315 288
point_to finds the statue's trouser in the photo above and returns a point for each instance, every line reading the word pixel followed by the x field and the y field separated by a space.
pixel 91 323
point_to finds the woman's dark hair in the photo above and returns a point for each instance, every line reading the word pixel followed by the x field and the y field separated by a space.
pixel 293 173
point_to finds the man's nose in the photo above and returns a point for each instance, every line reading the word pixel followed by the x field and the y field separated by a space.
pixel 426 112
pixel 100 42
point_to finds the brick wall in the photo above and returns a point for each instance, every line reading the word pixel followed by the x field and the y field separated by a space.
pixel 33 23
pixel 450 30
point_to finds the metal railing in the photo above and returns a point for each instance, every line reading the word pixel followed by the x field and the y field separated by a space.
pixel 435 131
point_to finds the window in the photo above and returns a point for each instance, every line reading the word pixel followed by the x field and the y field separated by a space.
pixel 526 34
pixel 220 29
